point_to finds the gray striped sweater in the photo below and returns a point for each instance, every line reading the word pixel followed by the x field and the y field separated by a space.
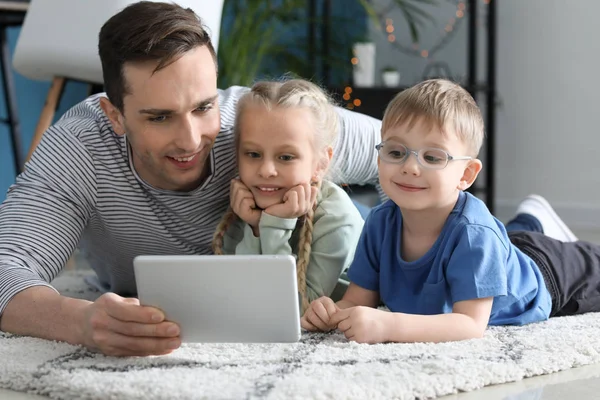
pixel 80 188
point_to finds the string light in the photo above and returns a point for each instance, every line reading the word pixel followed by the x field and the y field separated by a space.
pixel 347 96
pixel 449 29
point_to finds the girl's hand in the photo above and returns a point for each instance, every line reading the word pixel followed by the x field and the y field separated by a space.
pixel 318 315
pixel 296 202
pixel 243 204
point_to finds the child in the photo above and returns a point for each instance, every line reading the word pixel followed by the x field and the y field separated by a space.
pixel 435 256
pixel 281 203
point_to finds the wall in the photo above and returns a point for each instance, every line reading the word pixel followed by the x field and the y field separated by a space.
pixel 546 132
pixel 547 140
pixel 30 100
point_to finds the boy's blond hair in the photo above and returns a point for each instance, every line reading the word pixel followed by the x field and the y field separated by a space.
pixel 289 94
pixel 440 103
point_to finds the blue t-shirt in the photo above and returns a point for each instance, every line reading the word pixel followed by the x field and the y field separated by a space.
pixel 472 258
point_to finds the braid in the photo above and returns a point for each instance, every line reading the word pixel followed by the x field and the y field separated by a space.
pixel 304 248
pixel 217 243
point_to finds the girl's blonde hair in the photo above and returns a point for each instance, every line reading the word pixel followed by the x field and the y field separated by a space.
pixel 289 94
pixel 441 103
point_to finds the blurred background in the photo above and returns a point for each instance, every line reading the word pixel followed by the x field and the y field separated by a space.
pixel 529 64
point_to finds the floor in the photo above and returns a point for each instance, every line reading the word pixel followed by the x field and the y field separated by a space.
pixel 577 383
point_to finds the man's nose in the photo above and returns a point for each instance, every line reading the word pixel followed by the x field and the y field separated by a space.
pixel 189 136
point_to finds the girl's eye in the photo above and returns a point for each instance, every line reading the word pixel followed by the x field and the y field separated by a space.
pixel 252 154
pixel 286 158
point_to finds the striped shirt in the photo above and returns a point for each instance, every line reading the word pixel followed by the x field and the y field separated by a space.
pixel 80 188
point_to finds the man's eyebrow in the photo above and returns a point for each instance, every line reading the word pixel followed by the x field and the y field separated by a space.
pixel 161 111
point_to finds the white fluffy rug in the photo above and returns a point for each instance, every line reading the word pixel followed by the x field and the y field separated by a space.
pixel 320 366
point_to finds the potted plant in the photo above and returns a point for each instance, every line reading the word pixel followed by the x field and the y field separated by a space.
pixel 390 76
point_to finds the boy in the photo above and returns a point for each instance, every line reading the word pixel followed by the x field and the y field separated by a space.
pixel 435 256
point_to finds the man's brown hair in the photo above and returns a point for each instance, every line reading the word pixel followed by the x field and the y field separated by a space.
pixel 147 31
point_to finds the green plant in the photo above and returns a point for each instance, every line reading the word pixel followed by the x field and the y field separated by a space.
pixel 254 42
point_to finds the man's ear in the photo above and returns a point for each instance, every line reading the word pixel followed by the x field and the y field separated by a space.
pixel 470 174
pixel 114 115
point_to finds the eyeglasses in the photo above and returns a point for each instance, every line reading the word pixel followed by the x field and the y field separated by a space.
pixel 429 157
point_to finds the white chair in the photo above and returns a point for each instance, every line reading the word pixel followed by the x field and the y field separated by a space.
pixel 59 42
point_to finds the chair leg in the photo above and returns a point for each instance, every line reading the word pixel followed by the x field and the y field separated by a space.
pixel 47 115
pixel 10 98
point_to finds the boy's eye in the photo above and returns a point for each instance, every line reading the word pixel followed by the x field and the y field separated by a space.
pixel 397 154
pixel 286 157
pixel 434 156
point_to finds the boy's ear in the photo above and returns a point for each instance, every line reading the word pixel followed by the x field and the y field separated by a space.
pixel 470 174
pixel 114 115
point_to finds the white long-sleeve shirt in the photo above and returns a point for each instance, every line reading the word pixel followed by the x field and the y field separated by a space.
pixel 80 188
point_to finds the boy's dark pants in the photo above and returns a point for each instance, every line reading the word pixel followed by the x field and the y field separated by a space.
pixel 571 270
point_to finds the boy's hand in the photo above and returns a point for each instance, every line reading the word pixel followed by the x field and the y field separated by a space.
pixel 296 202
pixel 362 324
pixel 243 204
pixel 318 316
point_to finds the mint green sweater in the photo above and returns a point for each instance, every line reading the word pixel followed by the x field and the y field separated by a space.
pixel 337 225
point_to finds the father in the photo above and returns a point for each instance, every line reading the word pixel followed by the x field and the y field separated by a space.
pixel 145 169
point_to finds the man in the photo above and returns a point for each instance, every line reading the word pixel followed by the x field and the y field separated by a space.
pixel 145 170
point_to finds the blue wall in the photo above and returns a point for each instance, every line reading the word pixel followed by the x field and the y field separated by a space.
pixel 31 96
pixel 348 19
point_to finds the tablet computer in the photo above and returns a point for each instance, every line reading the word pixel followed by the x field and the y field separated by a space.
pixel 228 298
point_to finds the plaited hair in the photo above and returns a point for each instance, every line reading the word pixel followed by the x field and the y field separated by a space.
pixel 290 94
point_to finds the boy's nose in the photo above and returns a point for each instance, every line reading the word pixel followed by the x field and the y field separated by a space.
pixel 411 165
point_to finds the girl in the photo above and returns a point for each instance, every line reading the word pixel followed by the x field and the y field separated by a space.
pixel 281 203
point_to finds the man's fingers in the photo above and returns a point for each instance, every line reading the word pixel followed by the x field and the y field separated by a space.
pixel 164 329
pixel 127 311
pixel 115 344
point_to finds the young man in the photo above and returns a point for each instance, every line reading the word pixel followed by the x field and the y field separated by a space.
pixel 145 170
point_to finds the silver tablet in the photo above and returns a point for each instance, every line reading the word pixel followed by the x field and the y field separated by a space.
pixel 241 298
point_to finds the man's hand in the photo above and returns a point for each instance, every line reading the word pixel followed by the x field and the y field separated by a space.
pixel 118 326
pixel 243 204
pixel 296 202
pixel 318 315
pixel 363 324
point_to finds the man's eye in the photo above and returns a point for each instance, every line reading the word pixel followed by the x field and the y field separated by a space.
pixel 204 108
pixel 158 118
